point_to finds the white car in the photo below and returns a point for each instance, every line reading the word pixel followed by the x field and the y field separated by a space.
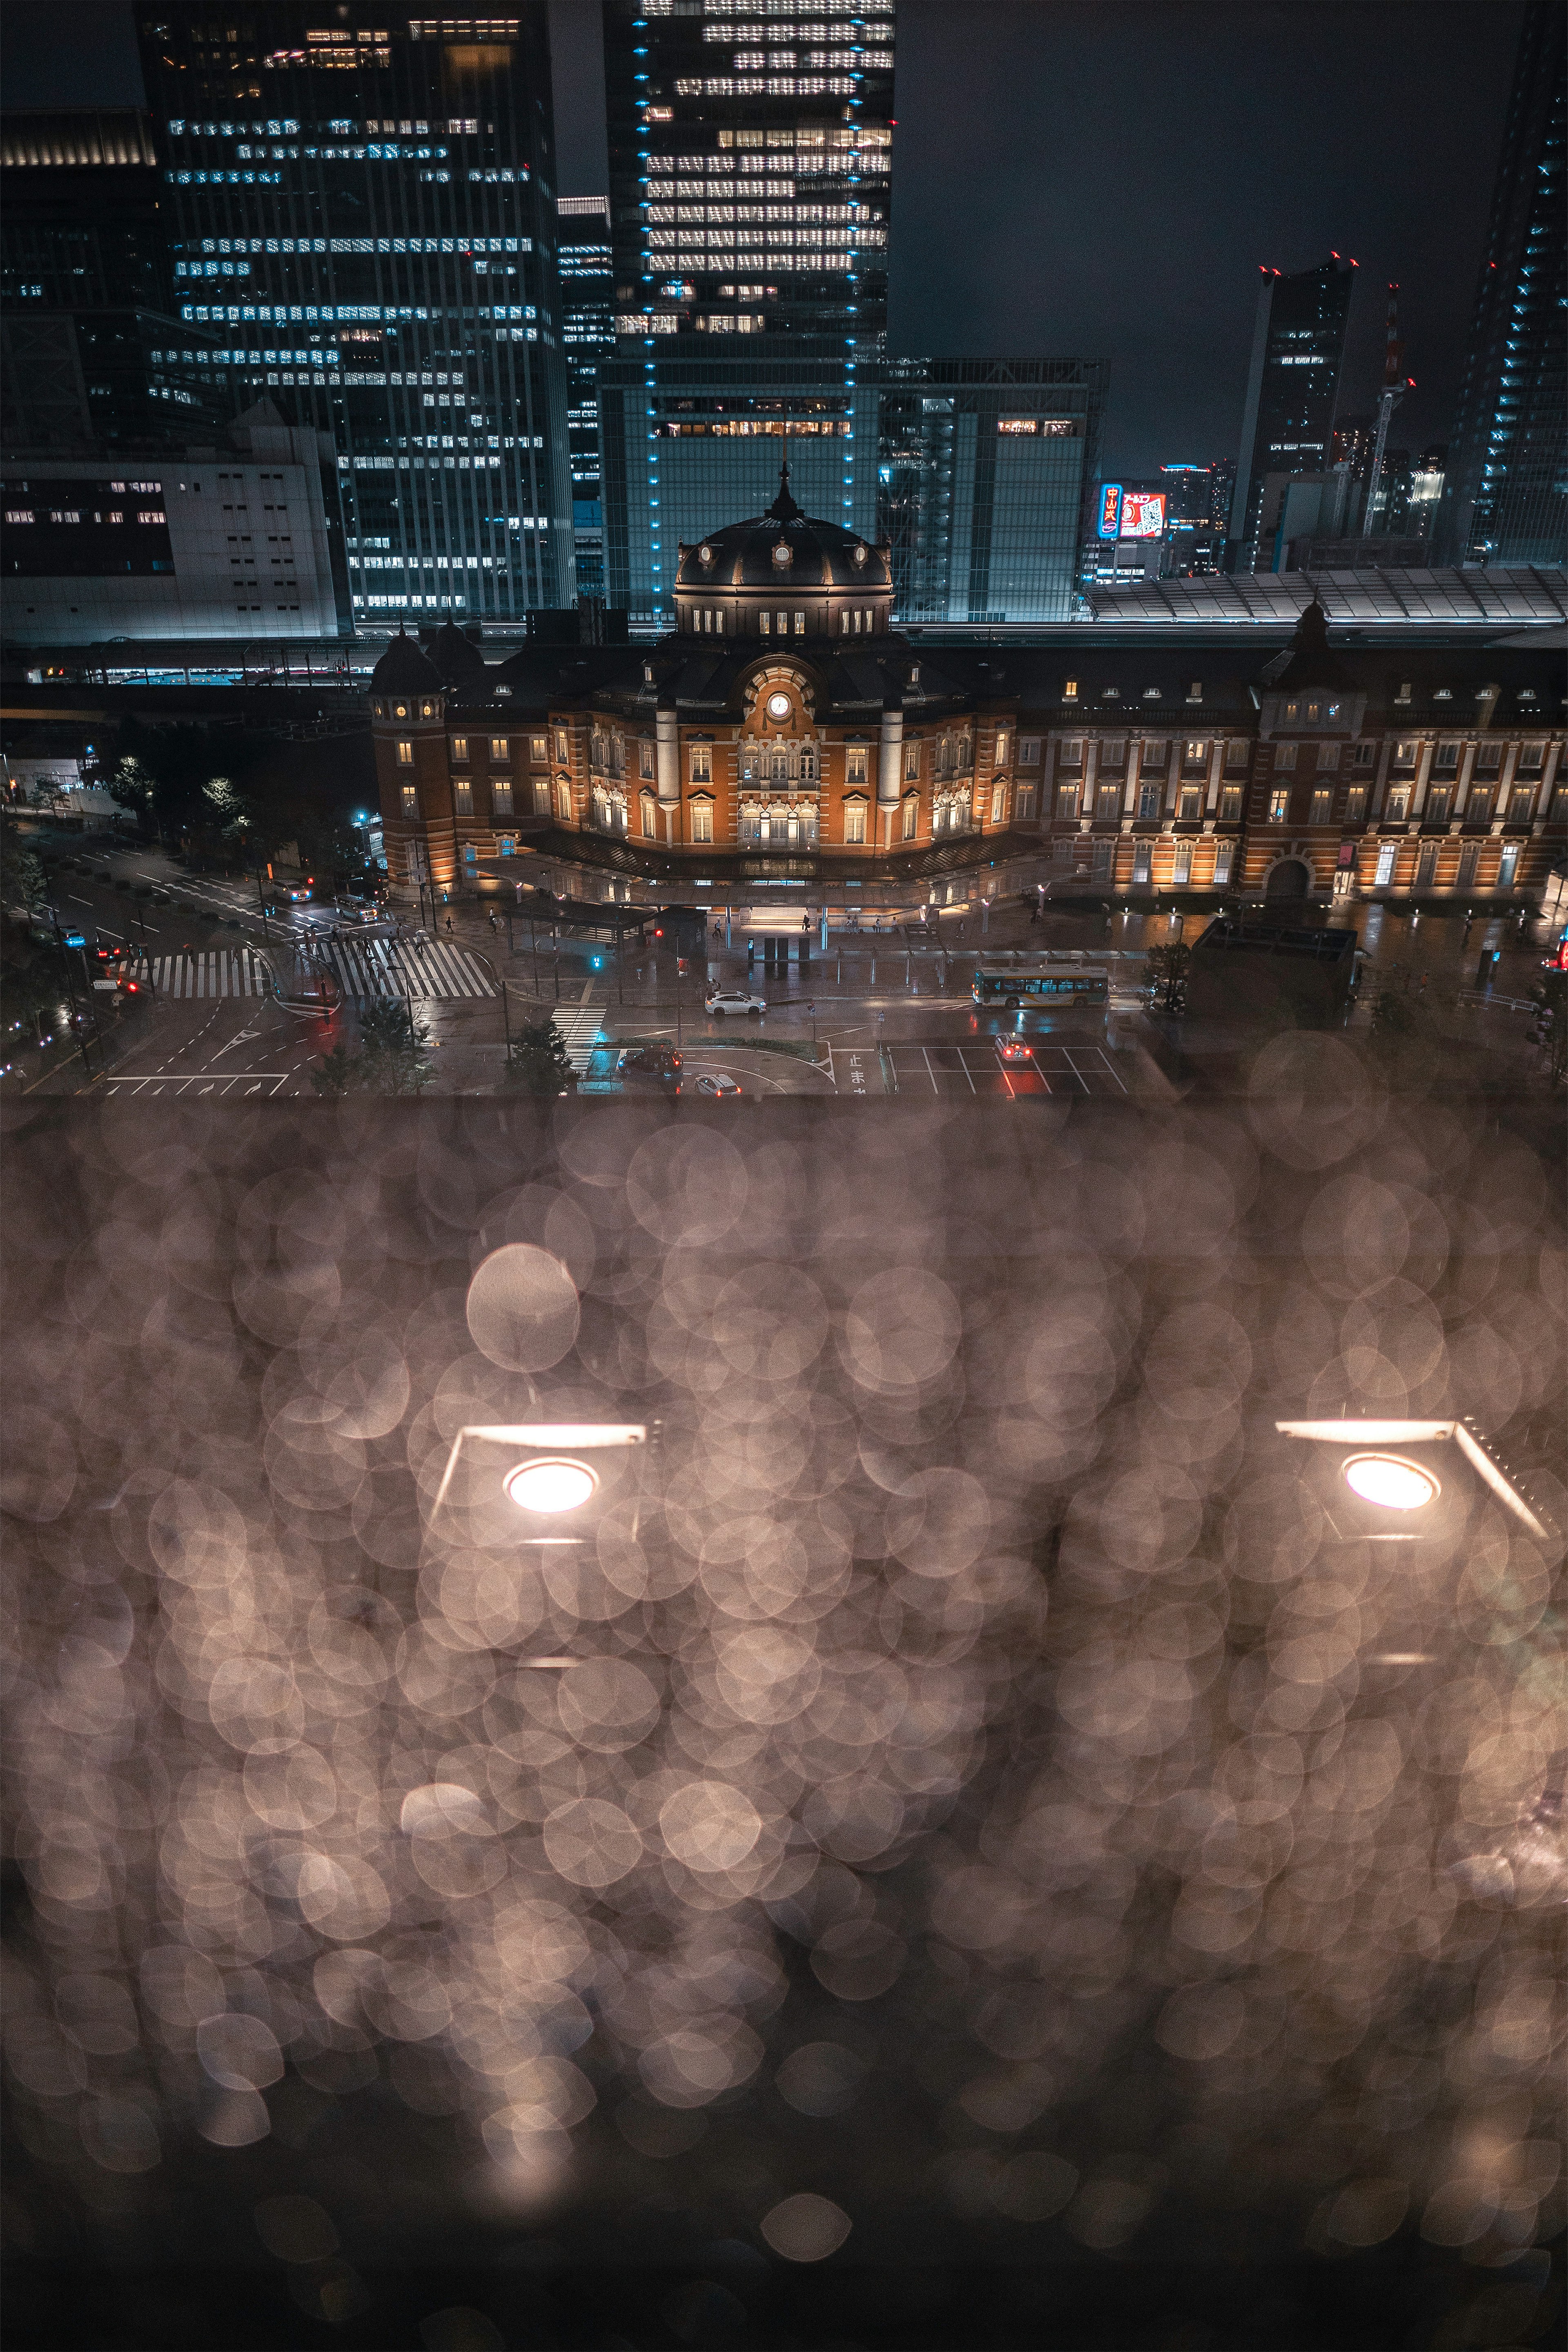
pixel 714 1082
pixel 720 1001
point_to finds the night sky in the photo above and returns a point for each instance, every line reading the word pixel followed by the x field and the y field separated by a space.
pixel 1105 179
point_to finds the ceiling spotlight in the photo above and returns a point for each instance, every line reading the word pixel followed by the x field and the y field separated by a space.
pixel 1393 1483
pixel 549 1486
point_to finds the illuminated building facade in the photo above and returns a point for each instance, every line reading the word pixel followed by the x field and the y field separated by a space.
pixel 587 285
pixel 985 475
pixel 1505 499
pixel 360 200
pixel 785 717
pixel 750 198
pixel 1293 386
pixel 241 539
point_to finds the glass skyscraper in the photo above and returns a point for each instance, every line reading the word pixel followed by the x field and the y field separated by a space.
pixel 89 356
pixel 1298 348
pixel 749 156
pixel 362 199
pixel 986 471
pixel 586 305
pixel 1505 496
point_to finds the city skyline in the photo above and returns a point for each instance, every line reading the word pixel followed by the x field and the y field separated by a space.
pixel 1048 93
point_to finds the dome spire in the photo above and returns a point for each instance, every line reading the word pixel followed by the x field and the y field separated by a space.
pixel 784 508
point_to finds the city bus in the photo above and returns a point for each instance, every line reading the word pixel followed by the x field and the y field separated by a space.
pixel 1040 984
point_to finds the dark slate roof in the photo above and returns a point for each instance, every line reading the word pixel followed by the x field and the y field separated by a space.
pixel 404 669
pixel 456 657
pixel 1308 659
pixel 783 544
pixel 1142 685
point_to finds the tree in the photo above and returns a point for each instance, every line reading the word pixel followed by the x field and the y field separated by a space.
pixel 393 1056
pixel 1551 993
pixel 24 884
pixel 1168 974
pixel 132 785
pixel 540 1064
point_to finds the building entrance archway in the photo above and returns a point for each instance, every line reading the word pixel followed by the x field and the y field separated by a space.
pixel 1292 879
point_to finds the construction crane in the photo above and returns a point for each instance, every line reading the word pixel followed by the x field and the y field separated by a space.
pixel 1394 386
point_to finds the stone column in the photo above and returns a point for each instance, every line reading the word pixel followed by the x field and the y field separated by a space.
pixel 1505 786
pixel 889 765
pixel 1423 770
pixel 1466 768
pixel 1090 780
pixel 1384 754
pixel 1216 762
pixel 666 760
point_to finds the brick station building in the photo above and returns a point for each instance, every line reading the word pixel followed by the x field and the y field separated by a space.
pixel 784 719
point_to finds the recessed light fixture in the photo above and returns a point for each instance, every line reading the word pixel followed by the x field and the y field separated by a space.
pixel 1394 1475
pixel 554 1477
pixel 1388 1481
pixel 550 1486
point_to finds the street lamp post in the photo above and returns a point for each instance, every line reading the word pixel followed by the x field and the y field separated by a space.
pixel 261 901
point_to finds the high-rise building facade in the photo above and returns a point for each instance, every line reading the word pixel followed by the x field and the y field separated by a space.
pixel 751 153
pixel 749 168
pixel 1292 386
pixel 588 324
pixel 80 227
pixel 362 200
pixel 90 358
pixel 985 470
pixel 1505 496
pixel 750 192
pixel 240 538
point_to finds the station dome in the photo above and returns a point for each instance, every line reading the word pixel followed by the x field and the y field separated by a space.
pixel 404 668
pixel 738 581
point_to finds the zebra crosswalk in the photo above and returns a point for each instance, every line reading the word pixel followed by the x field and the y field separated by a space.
pixel 372 969
pixel 221 973
pixel 579 1027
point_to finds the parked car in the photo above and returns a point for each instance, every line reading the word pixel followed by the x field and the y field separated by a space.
pixel 1013 1049
pixel 720 1001
pixel 713 1083
pixel 648 1062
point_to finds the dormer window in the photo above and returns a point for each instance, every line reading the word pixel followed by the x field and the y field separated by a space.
pixel 1069 690
pixel 858 558
pixel 648 673
pixel 1403 693
pixel 1151 694
pixel 426 710
pixel 1444 694
pixel 1195 691
pixel 705 555
pixel 1110 694
pixel 783 556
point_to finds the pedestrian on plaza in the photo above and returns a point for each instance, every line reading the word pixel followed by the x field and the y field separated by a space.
pixel 448 924
pixel 1033 910
pixel 494 923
